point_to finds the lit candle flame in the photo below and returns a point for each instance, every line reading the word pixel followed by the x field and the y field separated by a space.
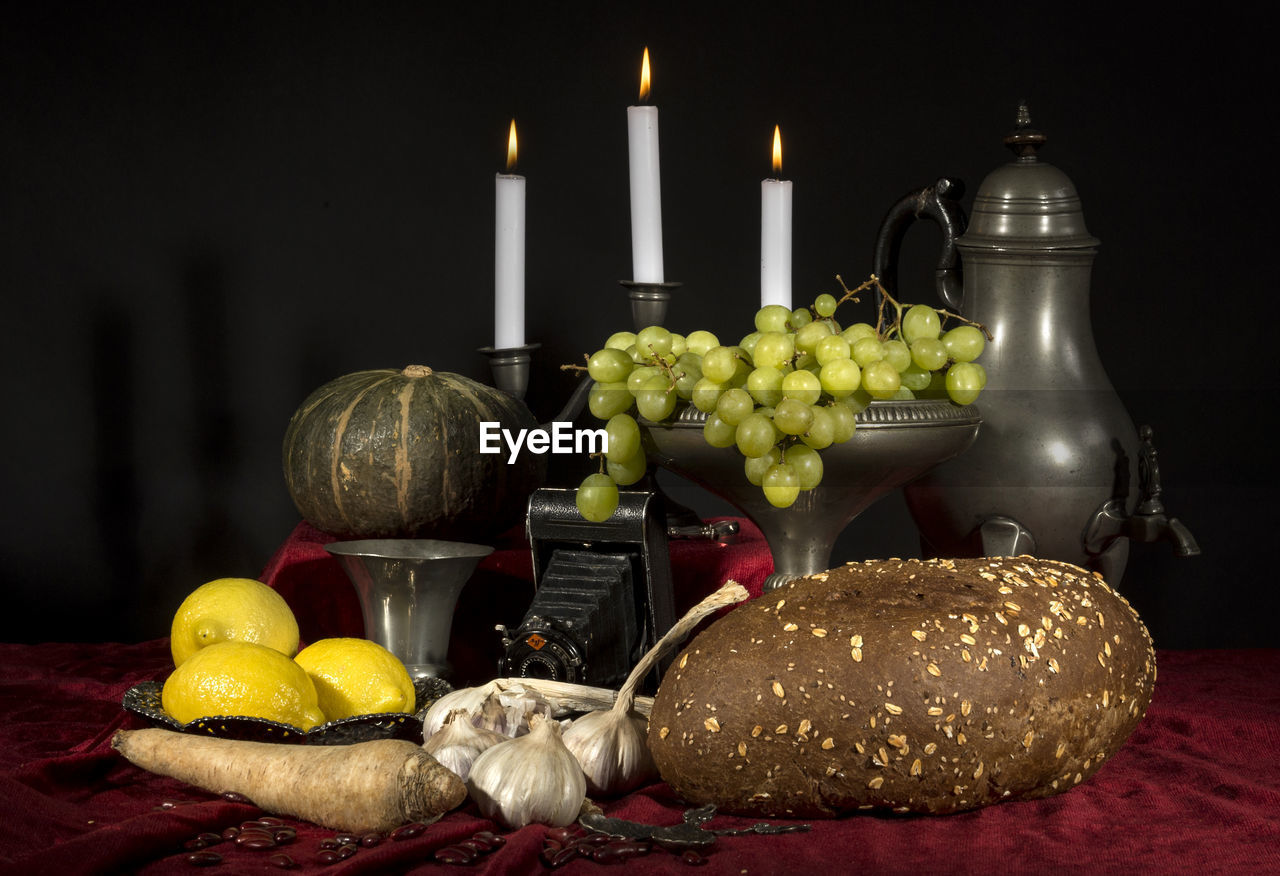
pixel 644 76
pixel 511 148
pixel 777 150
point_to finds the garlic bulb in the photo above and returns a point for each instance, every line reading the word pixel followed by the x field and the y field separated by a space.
pixel 611 745
pixel 502 705
pixel 529 779
pixel 458 743
pixel 468 700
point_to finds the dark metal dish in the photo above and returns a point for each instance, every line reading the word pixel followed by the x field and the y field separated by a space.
pixel 143 699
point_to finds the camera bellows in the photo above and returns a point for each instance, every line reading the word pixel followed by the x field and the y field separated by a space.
pixel 583 623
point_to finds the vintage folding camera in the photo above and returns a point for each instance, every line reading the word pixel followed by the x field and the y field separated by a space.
pixel 603 594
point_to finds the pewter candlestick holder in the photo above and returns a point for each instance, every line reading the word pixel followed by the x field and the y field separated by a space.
pixel 510 367
pixel 648 302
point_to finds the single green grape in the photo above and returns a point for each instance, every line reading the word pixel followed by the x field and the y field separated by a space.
pixel 772 318
pixel 765 385
pixel 700 341
pixel 623 435
pixel 804 386
pixel 964 382
pixel 964 343
pixel 880 379
pixel 748 343
pixel 831 347
pixel 607 399
pixel 864 351
pixel 808 336
pixel 857 332
pixel 755 435
pixel 792 416
pixel 844 422
pixel 653 341
pixel 628 471
pixel 620 340
pixel 781 485
pixel 756 466
pixel 597 497
pixel 717 432
pixel 822 430
pixel 916 378
pixel 929 353
pixel 800 317
pixel 609 365
pixel 656 404
pixel 920 321
pixel 897 354
pixel 840 377
pixel 825 304
pixel 678 345
pixel 807 463
pixel 734 405
pixel 719 364
pixel 773 349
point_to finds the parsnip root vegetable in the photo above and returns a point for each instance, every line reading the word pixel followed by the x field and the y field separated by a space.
pixel 371 786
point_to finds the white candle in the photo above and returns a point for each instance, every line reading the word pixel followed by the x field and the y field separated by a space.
pixel 775 234
pixel 508 272
pixel 646 186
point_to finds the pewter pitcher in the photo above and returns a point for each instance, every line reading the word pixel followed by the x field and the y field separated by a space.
pixel 1057 457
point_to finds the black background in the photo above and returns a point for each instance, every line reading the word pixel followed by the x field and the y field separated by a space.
pixel 207 214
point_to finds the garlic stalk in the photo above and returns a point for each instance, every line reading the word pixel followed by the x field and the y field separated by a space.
pixel 458 743
pixel 611 744
pixel 529 779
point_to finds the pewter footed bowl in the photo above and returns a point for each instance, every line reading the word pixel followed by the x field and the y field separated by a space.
pixel 895 442
pixel 408 589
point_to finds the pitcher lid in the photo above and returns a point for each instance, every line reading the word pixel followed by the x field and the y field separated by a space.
pixel 1027 203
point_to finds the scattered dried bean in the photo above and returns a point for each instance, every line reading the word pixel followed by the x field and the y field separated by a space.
pixel 561 857
pixel 408 831
pixel 369 840
pixel 204 859
pixel 234 797
pixel 283 861
pixel 455 855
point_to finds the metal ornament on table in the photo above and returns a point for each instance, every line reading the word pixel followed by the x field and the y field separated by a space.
pixel 1050 474
pixel 510 367
pixel 895 442
pixel 408 589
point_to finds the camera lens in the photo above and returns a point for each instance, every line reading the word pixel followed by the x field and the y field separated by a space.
pixel 540 666
pixel 543 653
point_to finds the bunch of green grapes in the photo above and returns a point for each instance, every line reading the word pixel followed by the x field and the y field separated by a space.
pixel 782 394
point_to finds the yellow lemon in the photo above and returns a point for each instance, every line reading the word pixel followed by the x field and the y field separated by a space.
pixel 357 677
pixel 232 610
pixel 244 679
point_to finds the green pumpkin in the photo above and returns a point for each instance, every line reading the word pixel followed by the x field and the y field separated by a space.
pixel 396 454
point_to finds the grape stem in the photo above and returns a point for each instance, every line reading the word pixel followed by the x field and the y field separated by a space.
pixel 895 329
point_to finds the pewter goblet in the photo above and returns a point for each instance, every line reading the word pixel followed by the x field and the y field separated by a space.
pixel 408 589
pixel 894 443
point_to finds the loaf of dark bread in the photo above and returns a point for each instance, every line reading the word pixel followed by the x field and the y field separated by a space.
pixel 914 686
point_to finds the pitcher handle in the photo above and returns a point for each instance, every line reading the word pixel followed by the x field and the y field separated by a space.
pixel 941 203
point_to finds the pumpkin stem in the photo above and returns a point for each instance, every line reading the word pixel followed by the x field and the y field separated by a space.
pixel 416 371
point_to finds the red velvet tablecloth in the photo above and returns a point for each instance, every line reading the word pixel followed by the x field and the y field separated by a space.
pixel 1195 790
